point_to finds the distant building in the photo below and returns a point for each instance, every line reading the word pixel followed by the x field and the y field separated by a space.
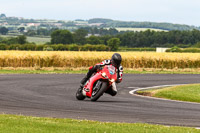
pixel 58 24
pixel 92 35
pixel 82 24
pixel 161 50
pixel 33 24
pixel 4 24
pixel 22 24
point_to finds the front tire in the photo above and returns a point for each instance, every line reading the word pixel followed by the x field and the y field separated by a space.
pixel 100 91
pixel 79 94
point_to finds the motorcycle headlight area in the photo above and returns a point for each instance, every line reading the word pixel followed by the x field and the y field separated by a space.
pixel 104 75
pixel 112 80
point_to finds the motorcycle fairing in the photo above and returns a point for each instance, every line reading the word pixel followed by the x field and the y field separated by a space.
pixel 88 87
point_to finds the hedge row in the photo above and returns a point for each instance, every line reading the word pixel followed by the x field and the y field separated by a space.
pixel 184 50
pixel 72 47
pixel 136 49
pixel 58 47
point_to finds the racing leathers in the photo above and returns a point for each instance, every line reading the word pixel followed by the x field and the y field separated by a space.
pixel 112 90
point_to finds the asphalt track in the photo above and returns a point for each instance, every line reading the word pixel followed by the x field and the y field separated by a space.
pixel 53 95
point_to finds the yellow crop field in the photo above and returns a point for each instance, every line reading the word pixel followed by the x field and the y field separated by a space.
pixel 85 59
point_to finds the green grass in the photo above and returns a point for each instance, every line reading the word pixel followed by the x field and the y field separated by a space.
pixel 158 71
pixel 42 71
pixel 85 70
pixel 24 124
pixel 190 93
pixel 37 40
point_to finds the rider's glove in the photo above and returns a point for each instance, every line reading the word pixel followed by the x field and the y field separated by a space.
pixel 118 81
pixel 97 67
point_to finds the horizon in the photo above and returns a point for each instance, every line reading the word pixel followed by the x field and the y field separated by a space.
pixel 94 18
pixel 172 11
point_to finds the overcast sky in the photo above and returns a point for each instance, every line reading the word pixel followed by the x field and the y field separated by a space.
pixel 173 11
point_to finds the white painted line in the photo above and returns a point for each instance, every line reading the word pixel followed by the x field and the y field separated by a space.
pixel 133 87
pixel 152 87
pixel 133 92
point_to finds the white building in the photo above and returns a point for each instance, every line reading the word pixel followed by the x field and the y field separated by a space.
pixel 161 50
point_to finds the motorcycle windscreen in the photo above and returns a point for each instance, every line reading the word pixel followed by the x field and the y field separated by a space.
pixel 111 69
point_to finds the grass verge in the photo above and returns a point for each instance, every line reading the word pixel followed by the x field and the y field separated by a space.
pixel 81 70
pixel 190 93
pixel 25 124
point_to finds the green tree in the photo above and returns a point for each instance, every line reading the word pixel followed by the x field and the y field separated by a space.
pixel 43 32
pixel 21 29
pixel 114 43
pixel 175 49
pixel 21 39
pixel 30 33
pixel 94 40
pixel 105 38
pixel 2 15
pixel 3 30
pixel 197 45
pixel 61 37
pixel 79 36
pixel 2 46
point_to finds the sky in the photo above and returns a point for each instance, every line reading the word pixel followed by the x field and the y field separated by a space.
pixel 172 11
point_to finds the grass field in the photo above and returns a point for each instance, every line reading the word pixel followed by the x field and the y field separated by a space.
pixel 137 29
pixel 83 70
pixel 37 40
pixel 190 93
pixel 24 124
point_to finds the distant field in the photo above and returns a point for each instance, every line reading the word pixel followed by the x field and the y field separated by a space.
pixel 37 40
pixel 137 29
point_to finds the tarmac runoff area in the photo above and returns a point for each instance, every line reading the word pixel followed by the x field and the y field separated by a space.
pixel 53 95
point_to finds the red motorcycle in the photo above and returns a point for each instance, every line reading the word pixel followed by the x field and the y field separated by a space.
pixel 98 84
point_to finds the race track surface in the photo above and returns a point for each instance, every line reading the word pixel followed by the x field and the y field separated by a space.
pixel 53 95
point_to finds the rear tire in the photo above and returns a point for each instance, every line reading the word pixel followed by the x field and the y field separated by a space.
pixel 100 92
pixel 79 94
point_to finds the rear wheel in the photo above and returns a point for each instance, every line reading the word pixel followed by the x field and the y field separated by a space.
pixel 79 94
pixel 96 94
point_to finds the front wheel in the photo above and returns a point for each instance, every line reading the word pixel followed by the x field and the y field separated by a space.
pixel 79 94
pixel 95 96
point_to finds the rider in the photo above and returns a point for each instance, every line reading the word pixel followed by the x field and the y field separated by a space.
pixel 115 61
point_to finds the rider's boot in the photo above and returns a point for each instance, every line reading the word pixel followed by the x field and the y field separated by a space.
pixel 87 76
pixel 83 81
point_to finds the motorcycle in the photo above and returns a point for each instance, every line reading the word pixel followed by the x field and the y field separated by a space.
pixel 95 87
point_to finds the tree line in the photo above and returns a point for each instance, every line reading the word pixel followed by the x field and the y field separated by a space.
pixel 59 37
pixel 146 38
pixel 160 39
pixel 135 24
pixel 14 40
